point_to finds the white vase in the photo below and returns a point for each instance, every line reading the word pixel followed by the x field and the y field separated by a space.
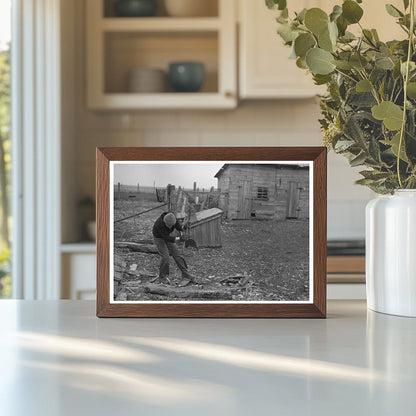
pixel 391 253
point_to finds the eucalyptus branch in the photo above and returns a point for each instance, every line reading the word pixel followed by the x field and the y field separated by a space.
pixel 392 91
pixel 346 75
pixel 373 88
pixel 406 80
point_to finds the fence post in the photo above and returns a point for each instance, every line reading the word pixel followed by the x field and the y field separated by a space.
pixel 168 196
pixel 119 191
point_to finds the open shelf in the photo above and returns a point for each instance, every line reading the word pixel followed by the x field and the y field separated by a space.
pixel 168 100
pixel 119 45
pixel 126 51
pixel 211 9
pixel 160 24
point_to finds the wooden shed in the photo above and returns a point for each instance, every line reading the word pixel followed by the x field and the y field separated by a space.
pixel 205 227
pixel 264 191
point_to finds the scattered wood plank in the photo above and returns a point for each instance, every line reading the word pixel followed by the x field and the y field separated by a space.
pixel 141 248
pixel 187 292
pixel 145 241
pixel 130 274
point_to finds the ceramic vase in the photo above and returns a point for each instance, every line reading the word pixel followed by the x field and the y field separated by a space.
pixel 135 8
pixel 186 76
pixel 391 253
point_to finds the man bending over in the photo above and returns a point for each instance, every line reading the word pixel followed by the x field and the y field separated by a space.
pixel 166 246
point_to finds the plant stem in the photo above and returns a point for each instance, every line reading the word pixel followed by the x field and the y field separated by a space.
pixel 405 81
pixel 346 75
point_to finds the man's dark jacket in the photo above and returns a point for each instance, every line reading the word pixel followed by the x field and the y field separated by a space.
pixel 161 230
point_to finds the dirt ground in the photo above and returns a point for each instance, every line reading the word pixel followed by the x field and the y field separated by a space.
pixel 274 254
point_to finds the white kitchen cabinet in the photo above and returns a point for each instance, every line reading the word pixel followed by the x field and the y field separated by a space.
pixel 78 263
pixel 265 70
pixel 118 45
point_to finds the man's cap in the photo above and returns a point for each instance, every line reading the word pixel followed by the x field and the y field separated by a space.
pixel 169 219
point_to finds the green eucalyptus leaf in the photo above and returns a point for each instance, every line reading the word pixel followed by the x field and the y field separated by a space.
pixel 394 146
pixel 412 67
pixel 320 61
pixel 354 132
pixel 375 35
pixel 344 65
pixel 321 79
pixel 292 52
pixel 374 174
pixel 276 4
pixel 363 86
pixel 301 63
pixel 405 21
pixel 384 62
pixel 388 112
pixel 281 19
pixel 351 11
pixel 336 12
pixel 361 100
pixel 368 36
pixel 374 150
pixel 382 89
pixel 358 61
pixel 333 32
pixel 365 182
pixel 285 13
pixel 316 20
pixel 303 43
pixel 343 145
pixel 411 123
pixel 393 11
pixel 358 160
pixel 347 37
pixel 342 25
pixel 325 42
pixel 411 90
pixel 406 4
pixel 287 33
pixel 301 15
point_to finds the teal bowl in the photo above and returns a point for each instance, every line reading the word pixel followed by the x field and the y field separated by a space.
pixel 135 8
pixel 186 76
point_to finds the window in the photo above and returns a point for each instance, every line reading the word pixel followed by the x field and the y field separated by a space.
pixel 262 193
pixel 5 161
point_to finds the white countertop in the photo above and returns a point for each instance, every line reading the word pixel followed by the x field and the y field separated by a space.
pixel 57 358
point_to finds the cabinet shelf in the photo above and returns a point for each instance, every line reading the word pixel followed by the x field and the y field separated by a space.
pixel 160 24
pixel 198 100
pixel 116 46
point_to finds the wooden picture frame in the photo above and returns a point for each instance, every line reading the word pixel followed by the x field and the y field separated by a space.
pixel 312 159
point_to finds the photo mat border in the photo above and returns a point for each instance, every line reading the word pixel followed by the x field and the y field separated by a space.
pixel 315 308
pixel 248 162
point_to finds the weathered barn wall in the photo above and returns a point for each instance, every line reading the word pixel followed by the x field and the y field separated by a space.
pixel 284 193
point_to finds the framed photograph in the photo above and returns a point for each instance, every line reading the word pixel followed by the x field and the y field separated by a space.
pixel 211 232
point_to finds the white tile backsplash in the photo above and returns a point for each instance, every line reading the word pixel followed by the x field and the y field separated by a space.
pixel 346 219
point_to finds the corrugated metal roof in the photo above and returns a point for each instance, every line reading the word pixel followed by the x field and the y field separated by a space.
pixel 206 214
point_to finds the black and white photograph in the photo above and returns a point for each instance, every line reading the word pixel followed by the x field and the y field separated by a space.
pixel 210 232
